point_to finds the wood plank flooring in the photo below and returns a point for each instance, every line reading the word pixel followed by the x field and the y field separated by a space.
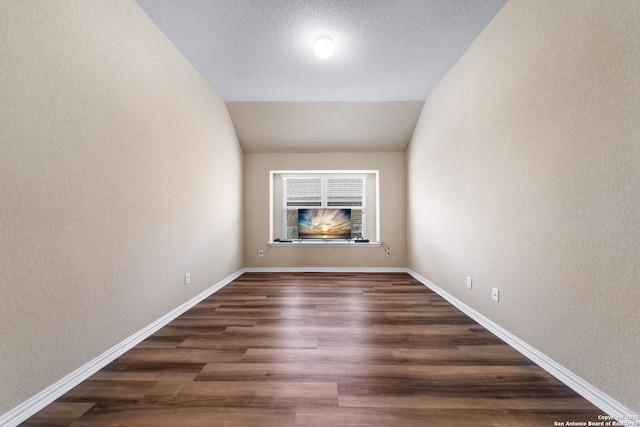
pixel 320 349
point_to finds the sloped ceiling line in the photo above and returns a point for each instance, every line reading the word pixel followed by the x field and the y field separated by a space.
pixel 390 54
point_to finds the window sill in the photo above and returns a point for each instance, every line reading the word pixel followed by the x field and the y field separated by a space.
pixel 325 243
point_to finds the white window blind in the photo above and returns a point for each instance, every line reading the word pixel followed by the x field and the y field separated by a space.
pixel 324 192
pixel 304 192
pixel 344 191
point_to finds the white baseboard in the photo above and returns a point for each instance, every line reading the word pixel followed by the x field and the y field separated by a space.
pixel 598 398
pixel 30 407
pixel 325 270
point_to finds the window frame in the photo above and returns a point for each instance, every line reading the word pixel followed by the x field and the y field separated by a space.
pixel 325 174
pixel 324 197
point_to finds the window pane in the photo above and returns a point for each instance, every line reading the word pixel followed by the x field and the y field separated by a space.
pixel 304 192
pixel 356 223
pixel 292 224
pixel 344 192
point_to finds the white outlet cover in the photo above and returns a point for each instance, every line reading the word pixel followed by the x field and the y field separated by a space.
pixel 469 282
pixel 495 294
pixel 187 278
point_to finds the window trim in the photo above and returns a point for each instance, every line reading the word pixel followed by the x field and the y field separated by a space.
pixel 325 173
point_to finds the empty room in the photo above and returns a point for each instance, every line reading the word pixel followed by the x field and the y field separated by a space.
pixel 320 213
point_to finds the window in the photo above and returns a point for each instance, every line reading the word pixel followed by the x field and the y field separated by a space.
pixel 323 191
pixel 294 190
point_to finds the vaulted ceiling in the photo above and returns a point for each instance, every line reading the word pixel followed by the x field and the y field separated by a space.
pixel 257 54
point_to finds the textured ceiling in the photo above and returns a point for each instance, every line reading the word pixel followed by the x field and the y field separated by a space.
pixel 260 50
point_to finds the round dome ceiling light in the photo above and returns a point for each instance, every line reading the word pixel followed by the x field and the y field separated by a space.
pixel 323 47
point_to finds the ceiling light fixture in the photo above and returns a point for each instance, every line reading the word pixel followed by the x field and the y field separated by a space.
pixel 323 47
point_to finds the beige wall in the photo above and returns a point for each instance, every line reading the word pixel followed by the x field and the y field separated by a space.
pixel 119 172
pixel 257 168
pixel 524 173
pixel 278 127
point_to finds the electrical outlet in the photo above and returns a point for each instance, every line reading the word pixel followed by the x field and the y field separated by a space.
pixel 495 294
pixel 469 282
pixel 187 278
pixel 388 254
pixel 260 253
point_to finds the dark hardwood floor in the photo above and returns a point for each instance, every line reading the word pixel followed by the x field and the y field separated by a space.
pixel 320 349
